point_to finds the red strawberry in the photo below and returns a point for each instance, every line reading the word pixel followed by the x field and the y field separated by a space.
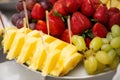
pixel 113 10
pixel 41 25
pixel 101 14
pixel 65 36
pixel 38 12
pixel 56 25
pixel 87 41
pixel 79 23
pixel 96 3
pixel 60 7
pixel 114 19
pixel 87 8
pixel 79 2
pixel 99 30
pixel 72 5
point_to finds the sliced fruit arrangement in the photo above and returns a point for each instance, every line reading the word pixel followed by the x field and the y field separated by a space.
pixel 93 30
pixel 53 56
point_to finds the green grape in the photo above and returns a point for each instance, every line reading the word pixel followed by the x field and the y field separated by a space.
pixel 109 36
pixel 112 54
pixel 89 53
pixel 115 42
pixel 103 57
pixel 115 63
pixel 90 65
pixel 100 67
pixel 96 43
pixel 79 42
pixel 118 51
pixel 105 41
pixel 106 47
pixel 115 30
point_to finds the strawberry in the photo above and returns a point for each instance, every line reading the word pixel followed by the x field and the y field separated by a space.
pixel 56 25
pixel 38 12
pixel 96 3
pixel 87 41
pixel 65 36
pixel 99 30
pixel 113 10
pixel 41 26
pixel 72 5
pixel 101 14
pixel 79 2
pixel 87 8
pixel 60 7
pixel 79 23
pixel 114 19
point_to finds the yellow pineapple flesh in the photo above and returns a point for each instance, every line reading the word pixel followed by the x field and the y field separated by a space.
pixel 38 57
pixel 66 53
pixel 51 61
pixel 43 52
pixel 27 49
pixel 8 39
pixel 71 62
pixel 16 46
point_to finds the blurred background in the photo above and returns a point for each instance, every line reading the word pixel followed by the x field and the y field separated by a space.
pixel 8 7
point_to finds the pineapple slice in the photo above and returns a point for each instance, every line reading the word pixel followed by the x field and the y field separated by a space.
pixel 8 39
pixel 48 38
pixel 40 53
pixel 27 49
pixel 50 62
pixel 65 54
pixel 10 34
pixel 57 44
pixel 16 47
pixel 114 3
pixel 34 33
pixel 39 56
pixel 71 62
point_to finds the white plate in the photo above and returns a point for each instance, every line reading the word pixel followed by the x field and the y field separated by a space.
pixel 79 73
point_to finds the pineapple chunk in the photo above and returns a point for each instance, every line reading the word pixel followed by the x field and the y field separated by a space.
pixel 40 53
pixel 68 51
pixel 114 3
pixel 57 44
pixel 39 56
pixel 65 54
pixel 8 39
pixel 27 49
pixel 16 46
pixel 51 61
pixel 34 33
pixel 48 38
pixel 24 30
pixel 71 62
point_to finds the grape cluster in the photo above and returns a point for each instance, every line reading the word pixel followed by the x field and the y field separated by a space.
pixel 104 53
pixel 17 18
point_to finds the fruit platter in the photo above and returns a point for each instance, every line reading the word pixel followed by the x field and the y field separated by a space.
pixel 62 38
